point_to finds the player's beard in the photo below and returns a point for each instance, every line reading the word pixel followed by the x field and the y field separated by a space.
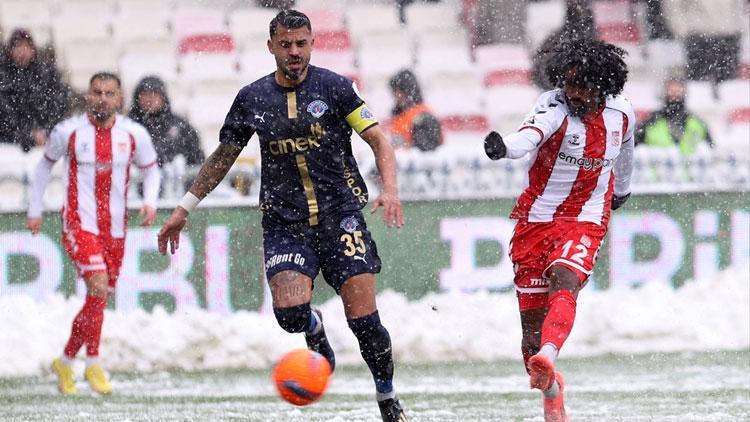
pixel 101 115
pixel 294 75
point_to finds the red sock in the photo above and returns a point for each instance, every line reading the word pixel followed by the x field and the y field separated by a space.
pixel 559 321
pixel 87 327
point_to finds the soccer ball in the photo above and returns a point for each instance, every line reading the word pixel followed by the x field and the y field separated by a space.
pixel 302 376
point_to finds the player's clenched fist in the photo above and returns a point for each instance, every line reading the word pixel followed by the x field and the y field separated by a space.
pixel 170 231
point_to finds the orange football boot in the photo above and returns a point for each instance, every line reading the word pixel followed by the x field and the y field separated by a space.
pixel 554 410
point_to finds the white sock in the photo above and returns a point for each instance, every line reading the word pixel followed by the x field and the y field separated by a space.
pixel 385 396
pixel 552 392
pixel 318 323
pixel 550 351
pixel 67 361
pixel 92 360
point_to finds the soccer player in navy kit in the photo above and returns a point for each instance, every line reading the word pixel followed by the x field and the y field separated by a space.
pixel 311 195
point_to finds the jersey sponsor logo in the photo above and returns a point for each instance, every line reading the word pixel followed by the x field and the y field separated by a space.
pixel 366 114
pixel 586 241
pixel 351 183
pixel 284 258
pixel 300 144
pixel 616 138
pixel 317 108
pixel 349 224
pixel 586 163
pixel 260 117
pixel 538 282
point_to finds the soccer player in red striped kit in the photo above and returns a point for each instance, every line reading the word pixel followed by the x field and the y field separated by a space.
pixel 99 147
pixel 580 140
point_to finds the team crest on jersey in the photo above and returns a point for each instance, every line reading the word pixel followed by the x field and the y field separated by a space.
pixel 317 108
pixel 349 224
pixel 574 140
pixel 616 137
pixel 366 114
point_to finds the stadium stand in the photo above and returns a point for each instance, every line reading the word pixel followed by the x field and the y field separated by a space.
pixel 206 50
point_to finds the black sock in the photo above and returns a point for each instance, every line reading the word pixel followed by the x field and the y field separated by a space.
pixel 375 345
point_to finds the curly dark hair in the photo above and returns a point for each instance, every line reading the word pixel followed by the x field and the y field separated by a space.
pixel 597 63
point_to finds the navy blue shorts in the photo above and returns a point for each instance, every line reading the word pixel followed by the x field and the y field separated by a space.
pixel 339 245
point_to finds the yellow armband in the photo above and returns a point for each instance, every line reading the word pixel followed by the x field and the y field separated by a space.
pixel 361 119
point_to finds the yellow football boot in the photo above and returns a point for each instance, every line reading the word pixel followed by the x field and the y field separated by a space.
pixel 97 379
pixel 65 380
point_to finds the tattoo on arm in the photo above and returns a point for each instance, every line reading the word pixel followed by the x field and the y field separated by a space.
pixel 212 172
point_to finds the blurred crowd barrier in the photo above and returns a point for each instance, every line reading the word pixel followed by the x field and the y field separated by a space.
pixel 449 173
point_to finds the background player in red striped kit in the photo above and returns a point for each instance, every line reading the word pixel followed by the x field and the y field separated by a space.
pixel 99 147
pixel 580 140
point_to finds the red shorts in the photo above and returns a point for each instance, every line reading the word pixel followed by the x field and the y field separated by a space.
pixel 535 247
pixel 94 254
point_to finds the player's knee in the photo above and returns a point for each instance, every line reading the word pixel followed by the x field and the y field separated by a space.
pixel 98 285
pixel 370 332
pixel 294 319
pixel 562 278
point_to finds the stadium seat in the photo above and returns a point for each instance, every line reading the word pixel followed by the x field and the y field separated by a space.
pixel 69 27
pixel 339 62
pixel 83 58
pixel 134 66
pixel 661 56
pixel 542 18
pixel 196 67
pixel 503 64
pixel 138 26
pixel 256 63
pixel 507 105
pixel 702 99
pixel 432 17
pixel 249 26
pixel 440 59
pixel 206 43
pixel 363 20
pixel 644 95
pixel 324 19
pixel 33 15
pixel 187 21
pixel 735 94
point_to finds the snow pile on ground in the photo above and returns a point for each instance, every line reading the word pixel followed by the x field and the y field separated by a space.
pixel 711 314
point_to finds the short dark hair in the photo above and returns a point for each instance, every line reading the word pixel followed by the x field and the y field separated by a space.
pixel 597 63
pixel 406 82
pixel 291 19
pixel 105 75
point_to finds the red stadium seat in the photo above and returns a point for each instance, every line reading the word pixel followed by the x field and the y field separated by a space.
pixel 337 40
pixel 507 77
pixel 618 33
pixel 739 116
pixel 212 43
pixel 465 123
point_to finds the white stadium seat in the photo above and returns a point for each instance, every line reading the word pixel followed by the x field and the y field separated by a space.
pixel 206 67
pixel 364 20
pixel 249 26
pixel 255 64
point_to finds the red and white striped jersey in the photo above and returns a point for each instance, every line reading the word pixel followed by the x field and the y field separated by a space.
pixel 97 169
pixel 571 172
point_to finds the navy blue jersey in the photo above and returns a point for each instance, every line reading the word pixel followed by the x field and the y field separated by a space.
pixel 307 167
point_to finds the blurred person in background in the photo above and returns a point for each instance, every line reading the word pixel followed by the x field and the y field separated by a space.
pixel 711 31
pixel 312 195
pixel 496 21
pixel 578 24
pixel 99 147
pixel 171 134
pixel 413 124
pixel 673 125
pixel 580 138
pixel 33 97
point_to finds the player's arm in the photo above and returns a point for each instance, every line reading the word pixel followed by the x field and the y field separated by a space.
pixel 536 128
pixel 624 167
pixel 209 176
pixel 54 150
pixel 385 159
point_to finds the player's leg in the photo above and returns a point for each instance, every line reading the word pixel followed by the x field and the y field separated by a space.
pixel 84 250
pixel 113 253
pixel 358 295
